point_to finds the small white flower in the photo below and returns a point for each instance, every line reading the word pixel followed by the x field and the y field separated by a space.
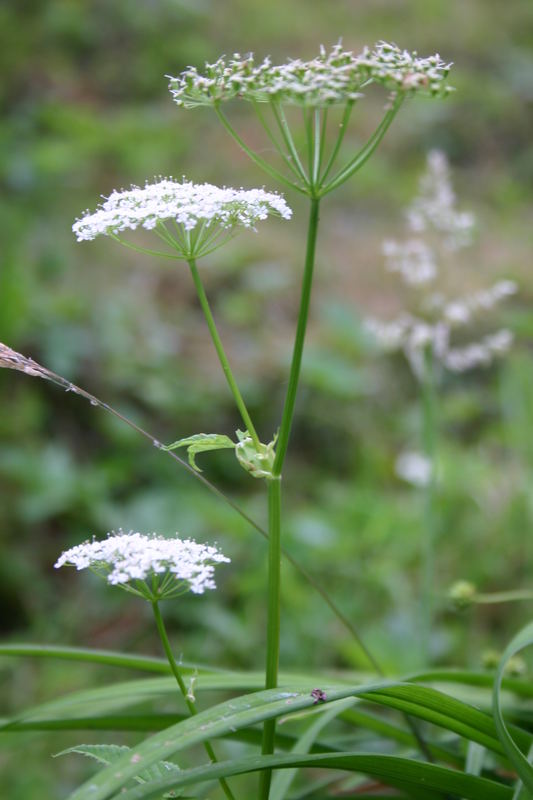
pixel 414 468
pixel 334 77
pixel 169 567
pixel 189 205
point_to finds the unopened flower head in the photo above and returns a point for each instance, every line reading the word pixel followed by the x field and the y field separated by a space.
pixel 334 77
pixel 148 565
pixel 192 207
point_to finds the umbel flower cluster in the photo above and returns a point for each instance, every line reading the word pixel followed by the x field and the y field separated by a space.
pixel 187 204
pixel 334 77
pixel 173 566
pixel 436 231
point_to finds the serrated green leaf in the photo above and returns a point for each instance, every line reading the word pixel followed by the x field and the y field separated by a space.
pixel 109 754
pixel 103 753
pixel 201 443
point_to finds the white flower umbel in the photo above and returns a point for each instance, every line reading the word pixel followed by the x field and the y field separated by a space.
pixel 334 77
pixel 197 214
pixel 148 565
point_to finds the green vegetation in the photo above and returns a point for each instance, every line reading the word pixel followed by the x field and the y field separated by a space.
pixel 88 110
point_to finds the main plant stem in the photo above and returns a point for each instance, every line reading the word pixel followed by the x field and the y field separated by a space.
pixel 232 383
pixel 296 363
pixel 183 689
pixel 274 491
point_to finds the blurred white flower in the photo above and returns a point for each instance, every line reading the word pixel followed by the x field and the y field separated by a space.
pixel 149 565
pixel 434 206
pixel 433 316
pixel 413 260
pixel 414 468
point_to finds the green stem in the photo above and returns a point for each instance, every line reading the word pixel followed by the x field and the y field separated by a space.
pixel 503 597
pixel 273 622
pixel 261 163
pixel 274 492
pixel 220 351
pixel 183 689
pixel 317 147
pixel 274 141
pixel 290 399
pixel 285 131
pixel 364 154
pixel 340 137
pixel 429 435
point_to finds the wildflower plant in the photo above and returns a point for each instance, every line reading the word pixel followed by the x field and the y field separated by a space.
pixel 189 221
pixel 431 329
pixel 153 568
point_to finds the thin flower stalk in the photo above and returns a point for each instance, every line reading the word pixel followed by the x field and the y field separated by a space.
pixel 232 383
pixel 189 702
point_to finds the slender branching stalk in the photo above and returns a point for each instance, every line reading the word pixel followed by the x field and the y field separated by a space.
pixel 232 383
pixel 187 695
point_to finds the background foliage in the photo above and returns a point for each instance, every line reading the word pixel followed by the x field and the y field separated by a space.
pixel 86 110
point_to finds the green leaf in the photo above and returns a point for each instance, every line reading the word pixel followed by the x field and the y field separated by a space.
pixel 111 753
pixel 445 711
pixel 419 779
pixel 251 709
pixel 201 443
pixel 517 758
pixel 282 781
pixel 115 659
pixel 126 694
pixel 385 730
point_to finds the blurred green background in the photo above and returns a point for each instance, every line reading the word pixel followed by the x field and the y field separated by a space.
pixel 85 110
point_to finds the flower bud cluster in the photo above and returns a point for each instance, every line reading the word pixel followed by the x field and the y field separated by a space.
pixel 402 71
pixel 436 231
pixel 188 204
pixel 124 558
pixel 334 77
